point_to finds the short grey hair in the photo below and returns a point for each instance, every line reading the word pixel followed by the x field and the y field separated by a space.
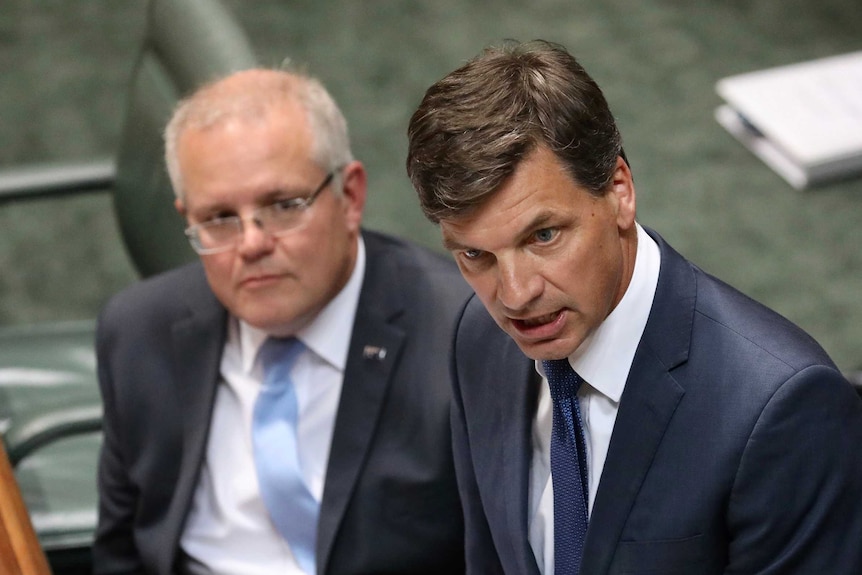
pixel 261 91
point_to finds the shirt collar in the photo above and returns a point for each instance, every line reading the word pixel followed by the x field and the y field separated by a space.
pixel 604 359
pixel 328 335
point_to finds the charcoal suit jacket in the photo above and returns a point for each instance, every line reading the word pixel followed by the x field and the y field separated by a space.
pixel 736 447
pixel 390 502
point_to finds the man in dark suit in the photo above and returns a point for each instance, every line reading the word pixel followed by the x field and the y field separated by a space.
pixel 262 169
pixel 669 424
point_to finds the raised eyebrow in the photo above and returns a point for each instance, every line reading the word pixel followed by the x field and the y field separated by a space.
pixel 450 244
pixel 541 221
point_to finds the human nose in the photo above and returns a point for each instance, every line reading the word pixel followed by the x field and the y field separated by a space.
pixel 254 239
pixel 518 283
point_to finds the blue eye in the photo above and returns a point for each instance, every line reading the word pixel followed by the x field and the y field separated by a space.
pixel 545 235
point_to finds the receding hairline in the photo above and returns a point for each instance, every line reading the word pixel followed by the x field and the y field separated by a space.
pixel 252 94
pixel 248 93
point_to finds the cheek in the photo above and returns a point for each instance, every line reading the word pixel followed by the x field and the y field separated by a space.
pixel 486 297
pixel 483 284
pixel 577 277
pixel 219 270
pixel 606 271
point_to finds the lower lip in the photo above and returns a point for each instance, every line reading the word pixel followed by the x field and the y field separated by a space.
pixel 542 331
pixel 260 282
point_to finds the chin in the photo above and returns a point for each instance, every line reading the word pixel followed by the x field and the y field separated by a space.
pixel 553 349
pixel 261 317
pixel 282 324
pixel 535 351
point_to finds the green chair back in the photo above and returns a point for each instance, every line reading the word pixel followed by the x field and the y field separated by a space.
pixel 187 43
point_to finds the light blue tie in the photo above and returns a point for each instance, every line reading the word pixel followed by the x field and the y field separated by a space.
pixel 290 504
pixel 568 467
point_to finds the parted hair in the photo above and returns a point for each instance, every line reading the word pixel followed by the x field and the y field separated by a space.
pixel 475 125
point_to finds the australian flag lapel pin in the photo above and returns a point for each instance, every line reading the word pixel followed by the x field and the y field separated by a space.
pixel 374 352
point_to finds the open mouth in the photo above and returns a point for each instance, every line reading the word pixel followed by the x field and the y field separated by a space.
pixel 537 324
pixel 541 320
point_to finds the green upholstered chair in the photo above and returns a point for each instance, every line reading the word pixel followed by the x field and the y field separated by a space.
pixel 186 43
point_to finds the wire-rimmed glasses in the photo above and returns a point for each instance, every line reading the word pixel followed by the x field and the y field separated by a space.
pixel 222 234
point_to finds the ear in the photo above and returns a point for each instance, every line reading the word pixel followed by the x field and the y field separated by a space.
pixel 623 189
pixel 354 184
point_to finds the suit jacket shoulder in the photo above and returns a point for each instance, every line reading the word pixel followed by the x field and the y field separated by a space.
pixel 727 400
pixel 158 345
pixel 728 452
pixel 390 502
pixel 414 267
pixel 161 298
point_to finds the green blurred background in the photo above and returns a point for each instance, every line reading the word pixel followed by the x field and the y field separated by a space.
pixel 65 65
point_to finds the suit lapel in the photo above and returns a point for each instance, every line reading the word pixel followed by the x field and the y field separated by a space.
pixel 198 342
pixel 645 411
pixel 367 378
pixel 647 405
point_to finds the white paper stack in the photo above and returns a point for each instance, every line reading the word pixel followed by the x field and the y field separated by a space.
pixel 803 120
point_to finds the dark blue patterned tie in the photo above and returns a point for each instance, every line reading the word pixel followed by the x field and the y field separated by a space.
pixel 290 504
pixel 568 467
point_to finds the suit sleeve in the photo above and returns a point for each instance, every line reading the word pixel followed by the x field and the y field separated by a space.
pixel 796 502
pixel 114 548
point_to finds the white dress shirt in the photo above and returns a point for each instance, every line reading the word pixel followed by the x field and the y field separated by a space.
pixel 228 530
pixel 603 361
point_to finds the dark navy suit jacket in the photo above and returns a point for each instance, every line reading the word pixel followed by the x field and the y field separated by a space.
pixel 736 447
pixel 390 501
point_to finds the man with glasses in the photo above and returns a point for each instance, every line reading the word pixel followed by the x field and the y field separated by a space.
pixel 282 406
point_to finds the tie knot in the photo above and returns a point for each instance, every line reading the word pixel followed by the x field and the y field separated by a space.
pixel 562 379
pixel 277 356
